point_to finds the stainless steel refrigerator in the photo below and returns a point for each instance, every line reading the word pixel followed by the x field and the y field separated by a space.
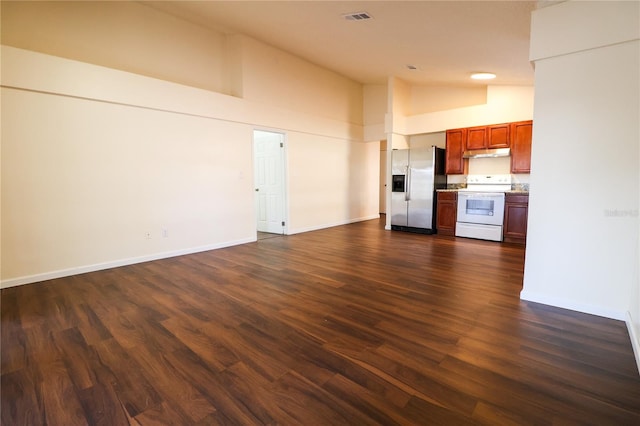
pixel 416 174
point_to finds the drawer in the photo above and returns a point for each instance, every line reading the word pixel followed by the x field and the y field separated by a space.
pixel 516 198
pixel 448 195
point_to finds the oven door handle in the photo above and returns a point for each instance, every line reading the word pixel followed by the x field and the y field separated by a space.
pixel 407 193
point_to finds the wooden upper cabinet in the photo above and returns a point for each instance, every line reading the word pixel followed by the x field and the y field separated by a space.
pixel 498 136
pixel 456 139
pixel 521 146
pixel 476 137
pixel 516 136
pixel 495 136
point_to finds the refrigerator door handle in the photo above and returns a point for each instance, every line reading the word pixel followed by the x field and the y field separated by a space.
pixel 407 194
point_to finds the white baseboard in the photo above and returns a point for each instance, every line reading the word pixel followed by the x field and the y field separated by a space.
pixel 30 279
pixel 331 225
pixel 572 305
pixel 635 339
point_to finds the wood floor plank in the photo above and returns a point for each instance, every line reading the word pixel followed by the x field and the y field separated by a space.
pixel 255 392
pixel 346 325
pixel 211 350
pixel 559 395
pixel 228 405
pixel 102 407
pixel 89 324
pixel 244 348
pixel 163 414
pixel 131 387
pixel 490 414
pixel 512 398
pixel 77 357
pixel 60 402
pixel 13 356
pixel 428 413
pixel 423 385
pixel 19 399
pixel 172 386
pixel 299 397
pixel 377 407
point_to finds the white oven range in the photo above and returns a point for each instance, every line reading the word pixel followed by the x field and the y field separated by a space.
pixel 481 207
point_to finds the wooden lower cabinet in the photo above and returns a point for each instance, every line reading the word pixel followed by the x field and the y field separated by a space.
pixel 516 212
pixel 446 212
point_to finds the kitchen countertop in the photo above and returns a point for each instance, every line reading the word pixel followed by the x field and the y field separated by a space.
pixel 513 191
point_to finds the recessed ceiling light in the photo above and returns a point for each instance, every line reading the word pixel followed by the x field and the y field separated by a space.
pixel 483 76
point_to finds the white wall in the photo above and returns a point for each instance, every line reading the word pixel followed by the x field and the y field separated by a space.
pixel 374 110
pixel 425 99
pixel 399 97
pixel 271 76
pixel 582 246
pixel 504 104
pixel 135 37
pixel 84 181
pixel 94 158
pixel 427 140
pixel 128 36
pixel 331 181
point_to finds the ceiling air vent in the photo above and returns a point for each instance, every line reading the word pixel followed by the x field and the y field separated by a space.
pixel 357 16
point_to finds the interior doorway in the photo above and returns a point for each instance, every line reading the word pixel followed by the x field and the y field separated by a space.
pixel 269 180
pixel 383 178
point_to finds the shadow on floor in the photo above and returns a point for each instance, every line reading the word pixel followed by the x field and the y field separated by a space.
pixel 266 235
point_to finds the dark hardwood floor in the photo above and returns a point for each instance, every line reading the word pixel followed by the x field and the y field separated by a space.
pixel 349 325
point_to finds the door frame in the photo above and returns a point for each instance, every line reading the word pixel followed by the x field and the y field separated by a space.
pixel 284 174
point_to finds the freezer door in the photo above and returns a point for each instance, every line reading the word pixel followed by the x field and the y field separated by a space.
pixel 420 188
pixel 399 167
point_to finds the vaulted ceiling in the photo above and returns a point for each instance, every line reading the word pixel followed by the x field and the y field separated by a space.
pixel 444 40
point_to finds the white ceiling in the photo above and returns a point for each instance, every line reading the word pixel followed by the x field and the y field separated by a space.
pixel 445 40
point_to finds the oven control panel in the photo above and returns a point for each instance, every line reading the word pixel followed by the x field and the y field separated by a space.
pixel 489 179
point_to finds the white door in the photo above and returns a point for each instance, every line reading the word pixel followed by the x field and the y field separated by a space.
pixel 268 152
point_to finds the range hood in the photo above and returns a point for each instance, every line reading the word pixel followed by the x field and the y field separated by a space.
pixel 487 153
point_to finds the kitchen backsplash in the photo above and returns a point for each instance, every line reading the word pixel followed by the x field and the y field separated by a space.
pixel 456 185
pixel 520 187
pixel 517 183
pixel 520 182
pixel 490 166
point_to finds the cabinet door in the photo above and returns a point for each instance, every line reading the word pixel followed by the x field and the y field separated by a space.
pixel 516 211
pixel 446 213
pixel 498 136
pixel 477 137
pixel 455 148
pixel 521 146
